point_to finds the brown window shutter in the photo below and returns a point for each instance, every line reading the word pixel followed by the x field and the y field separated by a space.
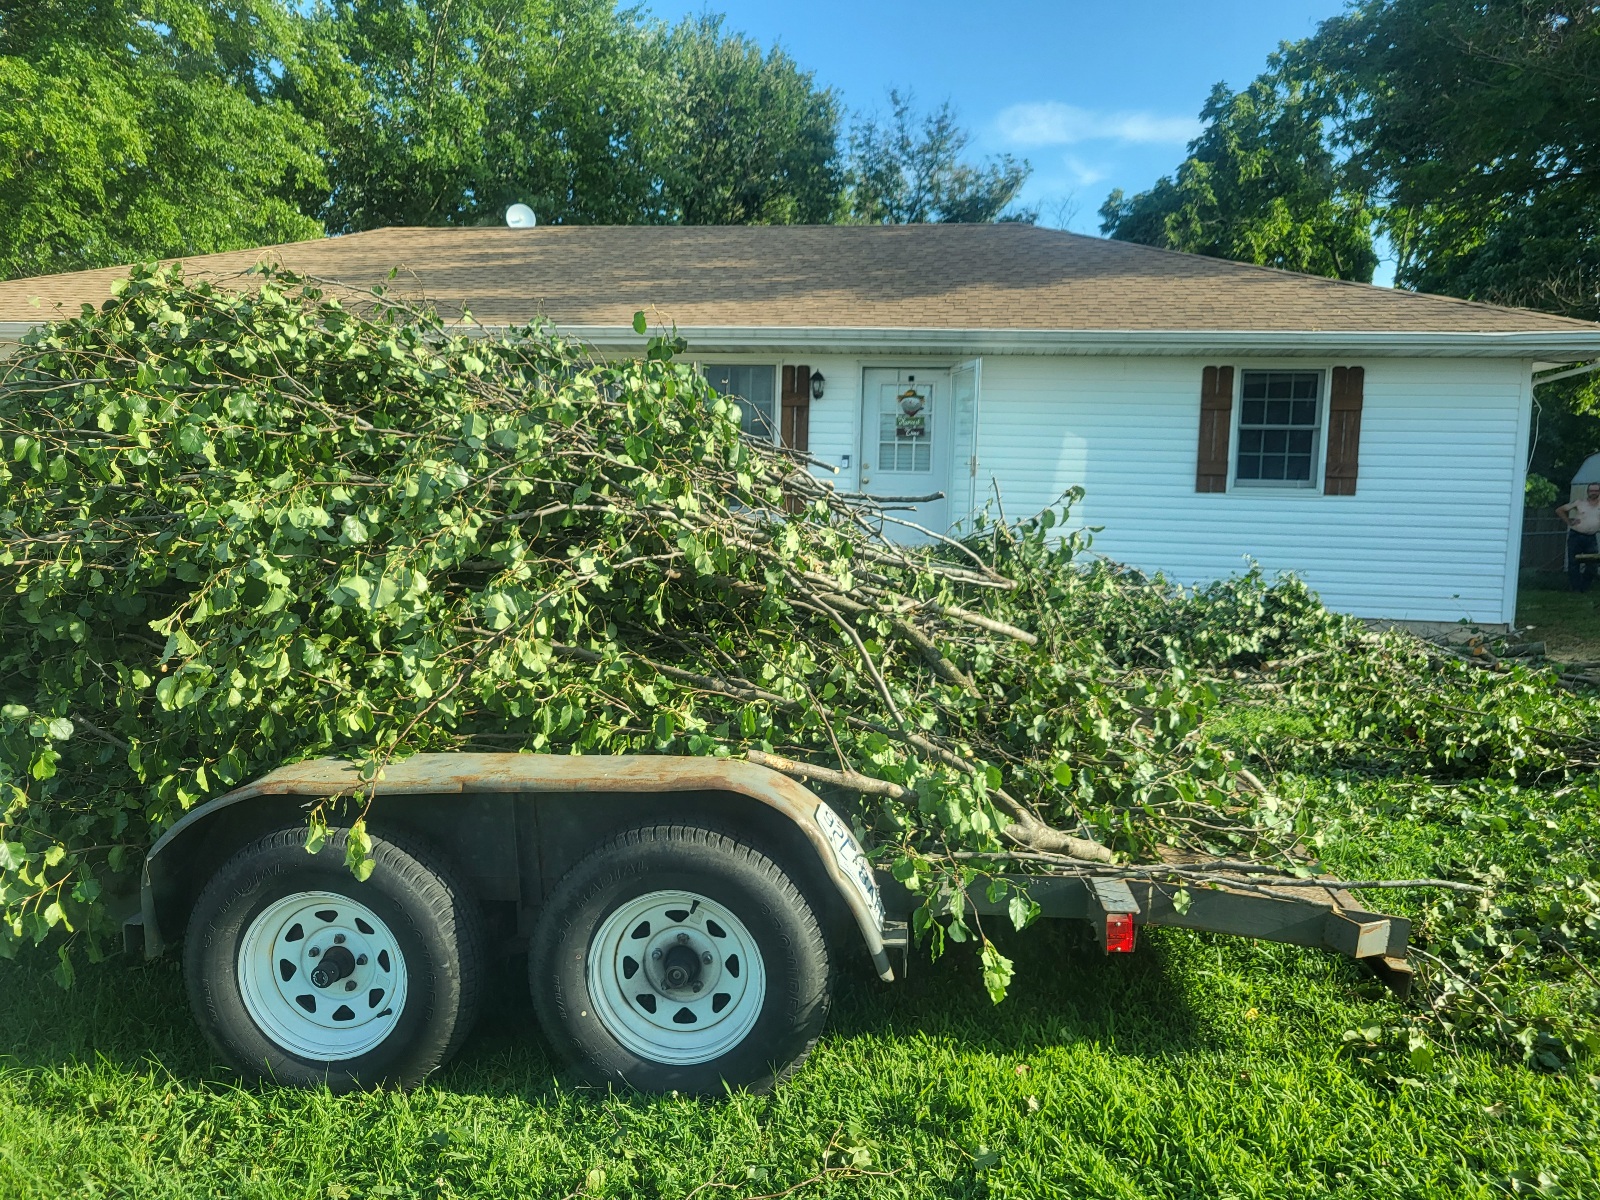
pixel 1216 418
pixel 1344 432
pixel 796 423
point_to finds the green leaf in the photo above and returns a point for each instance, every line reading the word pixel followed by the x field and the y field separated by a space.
pixel 316 833
pixel 1022 910
pixel 996 972
pixel 639 326
pixel 984 1158
pixel 64 974
pixel 905 870
pixel 664 727
pixel 1420 1058
pixel 358 851
pixel 55 915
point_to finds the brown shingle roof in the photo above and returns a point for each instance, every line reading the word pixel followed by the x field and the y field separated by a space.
pixel 931 277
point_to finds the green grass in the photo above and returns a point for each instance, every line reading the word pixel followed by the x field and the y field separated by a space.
pixel 1199 1066
pixel 1566 621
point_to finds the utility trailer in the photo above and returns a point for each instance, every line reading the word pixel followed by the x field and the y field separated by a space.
pixel 681 916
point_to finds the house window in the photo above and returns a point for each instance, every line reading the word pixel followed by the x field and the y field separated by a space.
pixel 754 390
pixel 1279 422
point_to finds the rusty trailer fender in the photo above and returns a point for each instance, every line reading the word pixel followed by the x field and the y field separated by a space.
pixel 838 853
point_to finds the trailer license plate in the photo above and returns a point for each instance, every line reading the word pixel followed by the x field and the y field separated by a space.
pixel 851 859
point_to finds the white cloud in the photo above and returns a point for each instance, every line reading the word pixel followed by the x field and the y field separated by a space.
pixel 1083 174
pixel 1054 124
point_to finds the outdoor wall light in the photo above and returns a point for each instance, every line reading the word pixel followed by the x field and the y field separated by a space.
pixel 816 385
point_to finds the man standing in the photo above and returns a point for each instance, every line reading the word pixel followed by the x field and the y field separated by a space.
pixel 1583 523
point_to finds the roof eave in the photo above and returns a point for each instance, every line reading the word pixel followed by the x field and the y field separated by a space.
pixel 1549 346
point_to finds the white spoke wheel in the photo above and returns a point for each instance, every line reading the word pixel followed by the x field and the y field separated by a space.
pixel 676 978
pixel 322 976
pixel 300 974
pixel 680 958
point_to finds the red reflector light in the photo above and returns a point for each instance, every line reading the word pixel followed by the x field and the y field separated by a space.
pixel 1119 933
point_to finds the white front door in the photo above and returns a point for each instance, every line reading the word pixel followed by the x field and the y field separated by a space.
pixel 905 445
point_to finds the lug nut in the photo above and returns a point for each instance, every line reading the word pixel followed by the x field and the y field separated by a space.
pixel 350 985
pixel 706 958
pixel 338 939
pixel 683 939
pixel 315 952
pixel 697 987
pixel 361 960
pixel 655 954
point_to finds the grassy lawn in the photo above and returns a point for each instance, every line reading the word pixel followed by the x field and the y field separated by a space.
pixel 1567 622
pixel 1199 1066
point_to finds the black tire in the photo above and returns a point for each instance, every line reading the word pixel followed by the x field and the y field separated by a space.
pixel 434 921
pixel 728 872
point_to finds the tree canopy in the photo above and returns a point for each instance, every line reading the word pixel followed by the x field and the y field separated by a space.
pixel 443 112
pixel 137 129
pixel 1261 183
pixel 1467 134
pixel 123 137
pixel 1478 131
pixel 909 169
pixel 756 142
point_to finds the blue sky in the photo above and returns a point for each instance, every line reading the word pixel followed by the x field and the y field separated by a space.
pixel 1095 95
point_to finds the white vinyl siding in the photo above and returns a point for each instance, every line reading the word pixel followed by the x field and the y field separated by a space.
pixel 836 418
pixel 1428 535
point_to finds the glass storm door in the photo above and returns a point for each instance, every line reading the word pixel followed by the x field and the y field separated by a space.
pixel 905 446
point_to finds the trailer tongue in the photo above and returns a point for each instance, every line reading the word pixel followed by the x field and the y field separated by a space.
pixel 1299 912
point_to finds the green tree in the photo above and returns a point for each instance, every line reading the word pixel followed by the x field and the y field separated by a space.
pixel 1478 126
pixel 443 112
pixel 909 169
pixel 136 130
pixel 758 140
pixel 1262 183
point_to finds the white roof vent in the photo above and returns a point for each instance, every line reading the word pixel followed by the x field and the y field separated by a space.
pixel 520 216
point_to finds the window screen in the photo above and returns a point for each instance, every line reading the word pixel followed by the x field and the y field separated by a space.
pixel 753 389
pixel 1278 415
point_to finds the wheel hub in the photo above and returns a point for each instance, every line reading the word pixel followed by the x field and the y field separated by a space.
pixel 322 976
pixel 676 977
pixel 682 969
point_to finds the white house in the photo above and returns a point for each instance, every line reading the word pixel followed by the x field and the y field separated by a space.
pixel 1373 441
